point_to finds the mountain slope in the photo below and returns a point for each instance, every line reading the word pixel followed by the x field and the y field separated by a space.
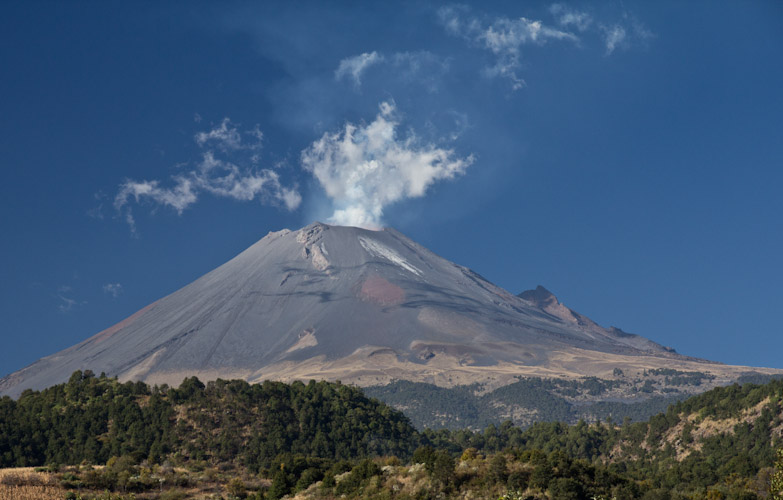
pixel 369 307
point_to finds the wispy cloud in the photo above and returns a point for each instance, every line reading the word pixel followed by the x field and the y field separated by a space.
pixel 624 34
pixel 67 302
pixel 353 67
pixel 113 289
pixel 227 137
pixel 96 212
pixel 420 66
pixel 365 168
pixel 213 174
pixel 614 37
pixel 504 37
pixel 457 20
pixel 567 17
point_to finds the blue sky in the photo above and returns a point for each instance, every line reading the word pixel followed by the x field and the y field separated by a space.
pixel 626 155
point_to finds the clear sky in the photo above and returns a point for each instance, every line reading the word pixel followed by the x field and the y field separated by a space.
pixel 626 155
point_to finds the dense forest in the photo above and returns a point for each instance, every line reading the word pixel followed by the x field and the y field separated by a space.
pixel 634 396
pixel 327 440
pixel 524 402
pixel 95 418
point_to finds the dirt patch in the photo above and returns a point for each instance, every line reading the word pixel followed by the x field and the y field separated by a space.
pixel 453 324
pixel 380 291
pixel 702 429
pixel 306 339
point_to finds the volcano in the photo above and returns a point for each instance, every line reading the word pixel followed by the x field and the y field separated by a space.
pixel 365 307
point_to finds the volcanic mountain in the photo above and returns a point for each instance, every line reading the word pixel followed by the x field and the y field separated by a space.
pixel 366 307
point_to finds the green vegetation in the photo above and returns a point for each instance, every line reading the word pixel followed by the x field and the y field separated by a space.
pixel 776 482
pixel 95 418
pixel 532 400
pixel 230 439
pixel 677 377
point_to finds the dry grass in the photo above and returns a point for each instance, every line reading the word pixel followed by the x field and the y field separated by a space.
pixel 26 484
pixel 30 492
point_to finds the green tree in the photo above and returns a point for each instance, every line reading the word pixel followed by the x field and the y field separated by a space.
pixel 498 469
pixel 565 488
pixel 443 470
pixel 236 488
pixel 776 482
pixel 281 485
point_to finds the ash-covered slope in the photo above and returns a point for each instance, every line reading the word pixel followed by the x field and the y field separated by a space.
pixel 334 302
pixel 547 302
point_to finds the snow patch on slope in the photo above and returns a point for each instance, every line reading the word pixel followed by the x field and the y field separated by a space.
pixel 387 253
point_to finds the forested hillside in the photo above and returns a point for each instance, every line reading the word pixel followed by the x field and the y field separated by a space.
pixel 529 400
pixel 326 440
pixel 524 402
pixel 727 435
pixel 94 418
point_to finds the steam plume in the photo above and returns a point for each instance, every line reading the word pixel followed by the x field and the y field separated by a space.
pixel 365 168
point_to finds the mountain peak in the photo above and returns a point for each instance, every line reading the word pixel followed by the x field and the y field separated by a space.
pixel 339 302
pixel 540 297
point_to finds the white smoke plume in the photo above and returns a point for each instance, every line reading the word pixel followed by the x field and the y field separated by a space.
pixel 365 168
pixel 214 175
